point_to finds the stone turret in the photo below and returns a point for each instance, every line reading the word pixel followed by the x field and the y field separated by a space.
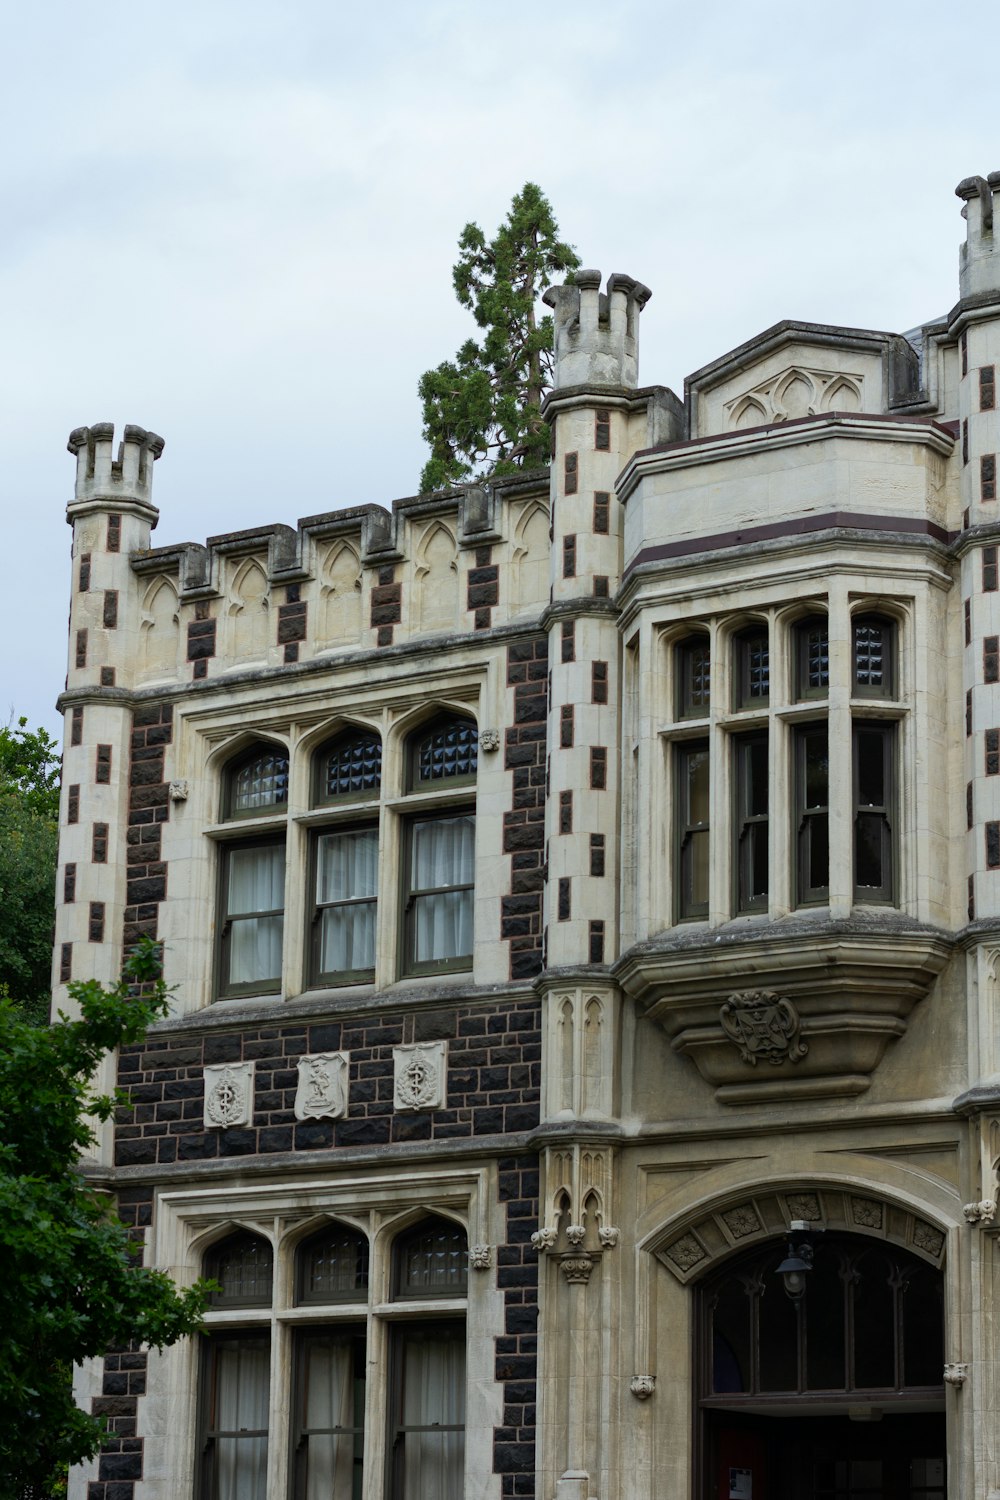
pixel 979 257
pixel 597 333
pixel 105 482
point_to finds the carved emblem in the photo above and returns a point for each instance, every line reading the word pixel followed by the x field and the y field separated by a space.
pixel 322 1088
pixel 926 1237
pixel 228 1095
pixel 867 1213
pixel 956 1373
pixel 763 1025
pixel 741 1221
pixel 803 1206
pixel 608 1237
pixel 480 1257
pixel 420 1074
pixel 543 1239
pixel 178 791
pixel 577 1268
pixel 642 1386
pixel 489 740
pixel 685 1252
pixel 575 1234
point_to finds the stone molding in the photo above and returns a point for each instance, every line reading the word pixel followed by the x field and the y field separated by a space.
pixel 689 1251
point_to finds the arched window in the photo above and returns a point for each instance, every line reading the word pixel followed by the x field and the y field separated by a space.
pixel 257 783
pixel 332 1266
pixel 871 1320
pixel 432 1260
pixel 873 662
pixel 812 657
pixel 349 767
pixel 693 663
pixel 447 751
pixel 243 1267
pixel 751 668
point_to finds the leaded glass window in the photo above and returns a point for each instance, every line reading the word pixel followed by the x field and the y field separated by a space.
pixel 259 784
pixel 333 1266
pixel 432 1260
pixel 752 668
pixel 812 652
pixel 448 752
pixel 351 767
pixel 874 640
pixel 694 674
pixel 243 1267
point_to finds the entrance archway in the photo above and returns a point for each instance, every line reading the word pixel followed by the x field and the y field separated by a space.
pixel 836 1396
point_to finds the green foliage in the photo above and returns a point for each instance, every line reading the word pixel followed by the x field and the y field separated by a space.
pixel 70 1285
pixel 29 813
pixel 481 411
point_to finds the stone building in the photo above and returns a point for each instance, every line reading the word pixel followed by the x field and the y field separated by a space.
pixel 583 899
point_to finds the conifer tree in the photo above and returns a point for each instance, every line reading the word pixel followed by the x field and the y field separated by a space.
pixel 481 411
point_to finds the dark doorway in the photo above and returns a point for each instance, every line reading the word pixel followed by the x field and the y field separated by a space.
pixel 835 1395
pixel 795 1457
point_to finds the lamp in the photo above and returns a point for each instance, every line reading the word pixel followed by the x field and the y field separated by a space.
pixel 799 1260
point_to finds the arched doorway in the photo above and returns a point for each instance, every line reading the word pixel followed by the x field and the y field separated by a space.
pixel 838 1395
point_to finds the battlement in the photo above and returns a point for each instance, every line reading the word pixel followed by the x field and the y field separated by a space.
pixel 979 258
pixel 597 333
pixel 102 478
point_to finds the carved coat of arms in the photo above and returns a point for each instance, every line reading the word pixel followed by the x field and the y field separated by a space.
pixel 763 1026
pixel 322 1090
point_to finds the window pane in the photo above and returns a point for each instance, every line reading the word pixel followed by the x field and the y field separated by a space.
pixel 238 1433
pixel 433 1466
pixel 354 766
pixel 334 1266
pixel 694 671
pixel 819 852
pixel 756 800
pixel 255 950
pixel 347 866
pixel 256 879
pixel 777 1318
pixel 758 666
pixel 347 938
pixel 825 1323
pixel 731 1360
pixel 697 868
pixel 813 658
pixel 243 1267
pixel 871 655
pixel 923 1327
pixel 874 1323
pixel 443 856
pixel 817 757
pixel 261 783
pixel 333 1398
pixel 870 873
pixel 698 784
pixel 433 1262
pixel 871 767
pixel 451 750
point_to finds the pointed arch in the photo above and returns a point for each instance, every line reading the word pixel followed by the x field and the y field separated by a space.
pixel 749 413
pixel 160 628
pixel 249 606
pixel 842 395
pixel 530 590
pixel 340 596
pixel 436 579
pixel 795 397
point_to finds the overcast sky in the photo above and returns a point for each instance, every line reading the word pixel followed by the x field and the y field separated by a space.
pixel 235 222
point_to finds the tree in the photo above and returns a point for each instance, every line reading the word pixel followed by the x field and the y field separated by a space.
pixel 29 816
pixel 482 410
pixel 70 1283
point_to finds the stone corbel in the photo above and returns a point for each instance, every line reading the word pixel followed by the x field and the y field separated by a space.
pixel 642 1386
pixel 577 1268
pixel 984 1212
pixel 481 1257
pixel 956 1373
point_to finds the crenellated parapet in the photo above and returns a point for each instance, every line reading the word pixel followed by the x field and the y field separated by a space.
pixel 104 481
pixel 597 333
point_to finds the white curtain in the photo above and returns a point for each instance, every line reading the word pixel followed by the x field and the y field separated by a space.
pixel 256 884
pixel 330 1473
pixel 443 856
pixel 348 872
pixel 242 1374
pixel 433 1393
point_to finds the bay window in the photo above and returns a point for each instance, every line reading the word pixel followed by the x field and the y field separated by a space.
pixel 874 776
pixel 693 828
pixel 751 827
pixel 812 814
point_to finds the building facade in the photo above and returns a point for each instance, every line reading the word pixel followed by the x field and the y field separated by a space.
pixel 582 897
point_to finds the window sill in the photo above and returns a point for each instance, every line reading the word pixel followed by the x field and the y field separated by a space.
pixel 245 828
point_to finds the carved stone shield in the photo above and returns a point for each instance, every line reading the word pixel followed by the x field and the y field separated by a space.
pixel 763 1026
